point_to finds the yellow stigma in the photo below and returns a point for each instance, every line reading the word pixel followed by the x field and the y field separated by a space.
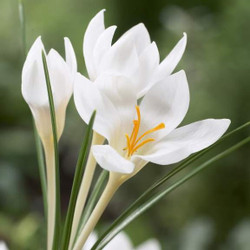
pixel 134 143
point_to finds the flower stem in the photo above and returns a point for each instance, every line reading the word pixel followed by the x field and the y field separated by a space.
pixel 113 184
pixel 95 195
pixel 84 188
pixel 51 191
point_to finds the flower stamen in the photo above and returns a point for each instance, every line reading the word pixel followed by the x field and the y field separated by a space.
pixel 141 144
pixel 132 140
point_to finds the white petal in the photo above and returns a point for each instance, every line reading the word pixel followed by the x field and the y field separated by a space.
pixel 90 241
pixel 60 78
pixel 165 102
pixel 35 94
pixel 122 93
pixel 87 99
pixel 186 140
pixel 110 160
pixel 33 80
pixel 102 46
pixel 151 244
pixel 140 36
pixel 94 30
pixel 121 59
pixel 149 60
pixel 70 55
pixel 34 86
pixel 170 62
pixel 62 86
pixel 120 241
pixel 34 54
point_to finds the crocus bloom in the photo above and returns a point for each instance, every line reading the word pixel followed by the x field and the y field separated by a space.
pixel 122 242
pixel 34 88
pixel 139 133
pixel 133 55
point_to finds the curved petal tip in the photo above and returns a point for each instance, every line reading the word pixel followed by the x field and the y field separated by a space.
pixel 109 159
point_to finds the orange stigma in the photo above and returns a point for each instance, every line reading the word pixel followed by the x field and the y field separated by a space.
pixel 134 143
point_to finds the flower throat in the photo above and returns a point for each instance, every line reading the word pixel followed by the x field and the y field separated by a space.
pixel 134 143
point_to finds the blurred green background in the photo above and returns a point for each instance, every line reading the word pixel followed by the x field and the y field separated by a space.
pixel 211 211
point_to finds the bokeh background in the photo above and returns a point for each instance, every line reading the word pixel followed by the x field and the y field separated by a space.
pixel 211 211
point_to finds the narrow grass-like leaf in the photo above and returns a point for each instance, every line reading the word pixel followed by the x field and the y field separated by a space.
pixel 99 186
pixel 146 195
pixel 41 166
pixel 23 26
pixel 54 130
pixel 77 182
pixel 39 150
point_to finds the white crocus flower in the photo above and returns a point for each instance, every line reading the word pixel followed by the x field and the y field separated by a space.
pixel 34 90
pixel 133 55
pixel 139 133
pixel 122 242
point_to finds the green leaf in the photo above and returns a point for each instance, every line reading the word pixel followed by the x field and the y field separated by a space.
pixel 23 26
pixel 145 200
pixel 41 167
pixel 54 130
pixel 77 182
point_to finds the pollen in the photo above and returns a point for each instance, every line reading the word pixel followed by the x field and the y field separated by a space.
pixel 133 141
